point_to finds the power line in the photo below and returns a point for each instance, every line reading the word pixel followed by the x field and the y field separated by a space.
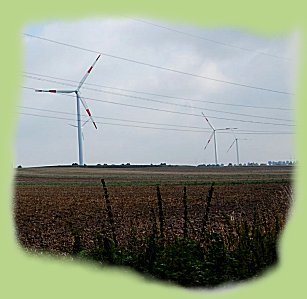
pixel 172 111
pixel 168 103
pixel 110 118
pixel 159 95
pixel 161 67
pixel 210 40
pixel 115 124
pixel 144 127
pixel 142 122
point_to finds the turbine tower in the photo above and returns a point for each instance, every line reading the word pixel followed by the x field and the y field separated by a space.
pixel 213 134
pixel 79 99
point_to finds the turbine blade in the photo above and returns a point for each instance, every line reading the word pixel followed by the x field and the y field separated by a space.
pixel 87 111
pixel 85 122
pixel 87 73
pixel 54 90
pixel 231 145
pixel 207 120
pixel 209 140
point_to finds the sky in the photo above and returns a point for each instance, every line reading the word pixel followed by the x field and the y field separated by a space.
pixel 149 92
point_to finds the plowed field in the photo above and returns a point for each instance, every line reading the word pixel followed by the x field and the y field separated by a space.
pixel 52 203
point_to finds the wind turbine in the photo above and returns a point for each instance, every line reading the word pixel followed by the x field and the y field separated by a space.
pixel 213 134
pixel 82 126
pixel 79 99
pixel 237 148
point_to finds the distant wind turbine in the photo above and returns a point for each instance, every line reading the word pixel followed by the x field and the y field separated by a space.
pixel 237 148
pixel 213 134
pixel 82 126
pixel 79 99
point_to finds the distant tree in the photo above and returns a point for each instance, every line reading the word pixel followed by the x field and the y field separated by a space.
pixel 19 166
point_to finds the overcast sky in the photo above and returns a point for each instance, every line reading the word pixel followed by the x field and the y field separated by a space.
pixel 226 54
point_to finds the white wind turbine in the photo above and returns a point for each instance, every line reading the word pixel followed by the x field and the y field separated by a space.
pixel 237 147
pixel 79 99
pixel 82 126
pixel 213 134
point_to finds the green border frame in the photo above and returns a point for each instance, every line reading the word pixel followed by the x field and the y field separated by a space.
pixel 25 276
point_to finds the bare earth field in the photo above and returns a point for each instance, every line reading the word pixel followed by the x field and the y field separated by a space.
pixel 51 204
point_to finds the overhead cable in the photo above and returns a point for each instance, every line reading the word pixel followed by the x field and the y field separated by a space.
pixel 172 111
pixel 30 75
pixel 162 67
